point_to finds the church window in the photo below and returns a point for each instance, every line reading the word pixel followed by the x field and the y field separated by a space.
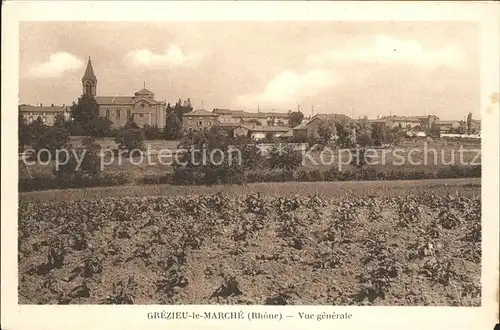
pixel 88 89
pixel 118 114
pixel 142 105
pixel 129 114
pixel 107 113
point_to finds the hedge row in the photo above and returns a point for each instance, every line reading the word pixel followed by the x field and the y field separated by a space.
pixel 53 182
pixel 314 175
pixel 301 175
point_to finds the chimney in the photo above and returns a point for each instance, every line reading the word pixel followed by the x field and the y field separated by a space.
pixel 41 105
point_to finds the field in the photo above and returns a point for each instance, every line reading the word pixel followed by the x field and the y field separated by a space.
pixel 391 243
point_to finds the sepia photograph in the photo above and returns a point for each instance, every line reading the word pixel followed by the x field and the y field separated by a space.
pixel 280 162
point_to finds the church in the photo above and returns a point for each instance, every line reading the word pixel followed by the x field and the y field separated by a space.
pixel 142 108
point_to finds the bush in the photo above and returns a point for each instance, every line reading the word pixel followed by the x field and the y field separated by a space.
pixel 156 179
pixel 151 132
pixel 50 138
pixel 129 138
pixel 285 158
pixel 71 181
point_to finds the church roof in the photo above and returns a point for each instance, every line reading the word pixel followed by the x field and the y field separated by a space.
pixel 89 72
pixel 144 91
pixel 114 99
pixel 121 100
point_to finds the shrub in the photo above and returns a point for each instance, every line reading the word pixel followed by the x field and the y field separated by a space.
pixel 71 181
pixel 151 132
pixel 285 158
pixel 156 179
pixel 130 138
pixel 49 138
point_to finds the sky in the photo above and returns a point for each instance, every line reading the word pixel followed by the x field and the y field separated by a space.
pixel 356 68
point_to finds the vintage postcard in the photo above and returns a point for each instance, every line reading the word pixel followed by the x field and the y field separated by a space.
pixel 222 165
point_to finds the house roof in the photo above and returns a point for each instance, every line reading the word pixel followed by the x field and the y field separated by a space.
pixel 250 115
pixel 257 128
pixel 287 134
pixel 301 126
pixel 200 112
pixel 329 117
pixel 228 124
pixel 33 108
pixel 381 121
pixel 425 117
pixel 448 122
pixel 403 118
pixel 275 114
pixel 227 111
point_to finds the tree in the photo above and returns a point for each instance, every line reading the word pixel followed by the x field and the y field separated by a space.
pixel 86 118
pixel 182 107
pixel 295 119
pixel 150 132
pixel 469 123
pixel 363 129
pixel 130 138
pixel 434 130
pixel 252 122
pixel 460 129
pixel 270 137
pixel 24 133
pixel 326 132
pixel 217 167
pixel 131 124
pixel 85 110
pixel 59 120
pixel 365 139
pixel 98 127
pixel 90 164
pixel 173 127
pixel 378 135
pixel 285 158
pixel 49 138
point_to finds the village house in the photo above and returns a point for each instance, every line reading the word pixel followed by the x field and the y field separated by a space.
pixel 316 121
pixel 141 108
pixel 446 126
pixel 198 120
pixel 227 116
pixel 253 118
pixel 259 132
pixel 48 114
pixel 422 123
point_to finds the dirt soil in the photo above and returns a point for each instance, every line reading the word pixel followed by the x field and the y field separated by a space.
pixel 421 249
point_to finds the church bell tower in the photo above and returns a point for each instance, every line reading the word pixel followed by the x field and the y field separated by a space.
pixel 89 81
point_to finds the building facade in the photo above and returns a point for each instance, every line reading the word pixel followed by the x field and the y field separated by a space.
pixel 245 117
pixel 141 108
pixel 259 132
pixel 198 120
pixel 48 115
pixel 411 122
